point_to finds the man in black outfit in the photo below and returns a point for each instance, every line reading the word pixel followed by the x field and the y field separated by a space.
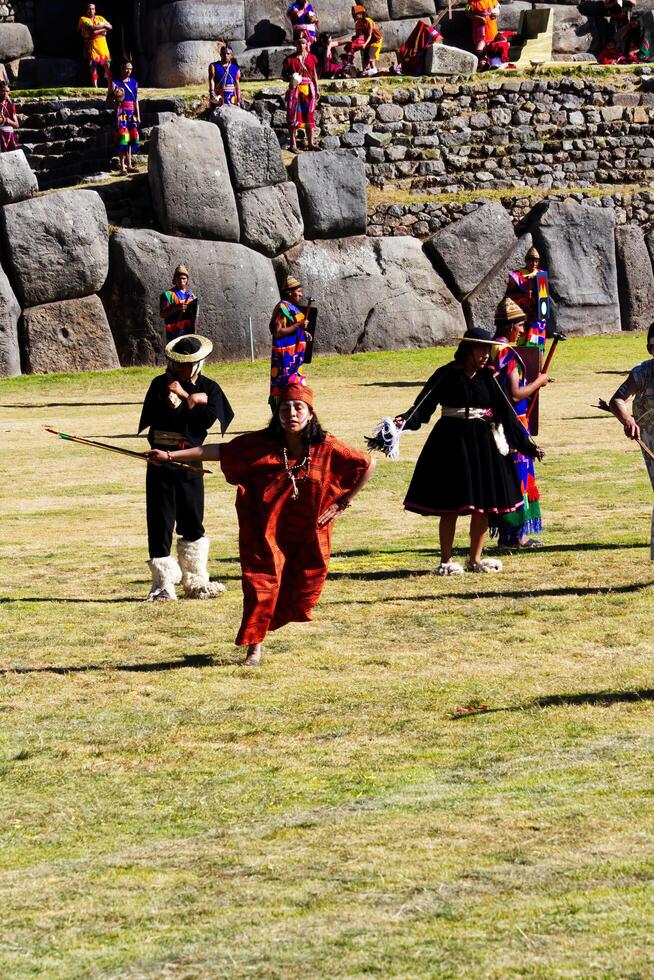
pixel 179 408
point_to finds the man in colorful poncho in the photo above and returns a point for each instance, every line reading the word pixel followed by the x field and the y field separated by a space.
pixel 522 288
pixel 178 306
pixel 289 341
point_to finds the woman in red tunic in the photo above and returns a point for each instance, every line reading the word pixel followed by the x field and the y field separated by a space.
pixel 293 479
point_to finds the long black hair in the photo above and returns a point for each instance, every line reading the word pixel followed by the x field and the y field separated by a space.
pixel 312 434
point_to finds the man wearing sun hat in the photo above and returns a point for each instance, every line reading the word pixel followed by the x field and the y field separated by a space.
pixel 179 409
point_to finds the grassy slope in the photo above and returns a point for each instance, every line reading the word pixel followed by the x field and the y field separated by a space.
pixel 325 815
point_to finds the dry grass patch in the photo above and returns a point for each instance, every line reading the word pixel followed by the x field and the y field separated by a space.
pixel 166 814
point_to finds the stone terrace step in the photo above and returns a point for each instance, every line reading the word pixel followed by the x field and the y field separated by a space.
pixel 68 139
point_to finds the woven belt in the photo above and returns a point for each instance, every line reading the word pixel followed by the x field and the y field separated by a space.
pixel 161 438
pixel 462 413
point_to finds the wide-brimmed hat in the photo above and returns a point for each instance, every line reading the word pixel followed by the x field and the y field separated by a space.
pixel 189 349
pixel 477 335
pixel 299 393
pixel 291 283
pixel 508 311
pixel 181 270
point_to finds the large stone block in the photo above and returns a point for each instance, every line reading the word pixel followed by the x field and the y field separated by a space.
pixel 635 278
pixel 179 63
pixel 255 157
pixel 17 179
pixel 336 17
pixel 189 181
pixel 577 246
pixel 395 33
pixel 56 246
pixel 333 193
pixel 411 8
pixel 9 314
pixel 72 335
pixel 466 251
pixel 266 24
pixel 232 281
pixel 263 63
pixel 574 32
pixel 441 59
pixel 271 220
pixel 200 21
pixel 375 294
pixel 479 306
pixel 15 42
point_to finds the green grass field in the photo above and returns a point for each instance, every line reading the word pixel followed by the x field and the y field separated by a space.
pixel 166 813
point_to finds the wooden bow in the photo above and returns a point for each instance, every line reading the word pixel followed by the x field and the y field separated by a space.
pixel 123 452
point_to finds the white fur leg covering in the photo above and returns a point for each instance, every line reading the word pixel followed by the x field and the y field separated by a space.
pixel 193 557
pixel 166 574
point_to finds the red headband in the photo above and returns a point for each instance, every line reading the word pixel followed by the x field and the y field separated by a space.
pixel 300 393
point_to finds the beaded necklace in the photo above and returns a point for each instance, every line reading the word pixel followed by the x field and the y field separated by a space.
pixel 294 472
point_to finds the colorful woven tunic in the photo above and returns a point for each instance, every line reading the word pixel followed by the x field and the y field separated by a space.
pixel 177 321
pixel 521 288
pixel 303 21
pixel 284 554
pixel 288 351
pixel 96 49
pixel 7 132
pixel 224 78
pixel 127 125
pixel 513 527
pixel 301 98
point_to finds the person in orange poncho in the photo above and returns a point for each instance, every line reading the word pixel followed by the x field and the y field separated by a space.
pixel 483 14
pixel 94 30
pixel 293 479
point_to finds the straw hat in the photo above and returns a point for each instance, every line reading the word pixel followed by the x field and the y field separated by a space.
pixel 189 349
pixel 291 284
pixel 508 311
pixel 181 270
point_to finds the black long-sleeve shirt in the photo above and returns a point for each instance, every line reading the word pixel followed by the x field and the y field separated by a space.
pixel 192 424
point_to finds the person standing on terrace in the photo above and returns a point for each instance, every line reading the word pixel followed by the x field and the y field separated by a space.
pixel 304 20
pixel 94 30
pixel 8 120
pixel 299 70
pixel 225 79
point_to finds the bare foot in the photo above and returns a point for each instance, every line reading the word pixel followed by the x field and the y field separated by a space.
pixel 253 657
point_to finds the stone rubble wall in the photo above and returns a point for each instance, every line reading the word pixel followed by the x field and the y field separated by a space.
pixel 553 133
pixel 419 220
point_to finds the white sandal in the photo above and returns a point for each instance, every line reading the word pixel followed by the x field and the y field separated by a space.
pixel 449 568
pixel 485 565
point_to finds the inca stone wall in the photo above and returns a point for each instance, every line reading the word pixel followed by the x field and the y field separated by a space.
pixel 545 134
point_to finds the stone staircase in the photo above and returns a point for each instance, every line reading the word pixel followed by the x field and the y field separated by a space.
pixel 68 140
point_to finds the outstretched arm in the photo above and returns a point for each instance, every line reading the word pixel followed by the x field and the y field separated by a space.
pixel 211 451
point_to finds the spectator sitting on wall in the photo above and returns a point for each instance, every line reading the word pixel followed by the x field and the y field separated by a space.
pixel 483 14
pixel 367 38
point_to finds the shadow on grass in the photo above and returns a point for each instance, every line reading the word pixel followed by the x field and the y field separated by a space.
pixel 462 553
pixel 66 404
pixel 473 594
pixel 194 660
pixel 393 384
pixel 555 700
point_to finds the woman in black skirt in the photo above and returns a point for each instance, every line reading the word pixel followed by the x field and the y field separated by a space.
pixel 465 466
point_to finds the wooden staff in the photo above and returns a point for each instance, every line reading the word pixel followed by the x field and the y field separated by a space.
pixel 607 408
pixel 123 452
pixel 548 360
